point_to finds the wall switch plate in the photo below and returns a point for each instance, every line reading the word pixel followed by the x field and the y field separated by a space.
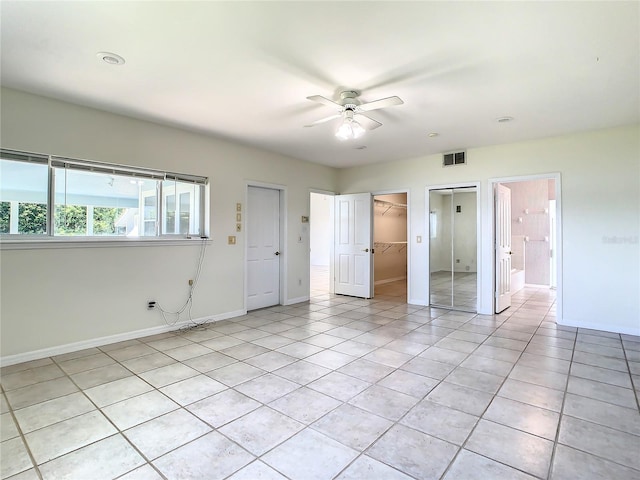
pixel 305 219
pixel 238 217
pixel 419 239
pixel 238 207
pixel 232 240
pixel 238 227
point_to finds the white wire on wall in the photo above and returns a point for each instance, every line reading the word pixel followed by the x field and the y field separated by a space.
pixel 188 304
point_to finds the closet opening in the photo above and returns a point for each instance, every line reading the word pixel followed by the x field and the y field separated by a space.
pixel 390 245
pixel 453 248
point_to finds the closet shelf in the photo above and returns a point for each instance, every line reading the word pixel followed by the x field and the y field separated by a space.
pixel 389 205
pixel 387 245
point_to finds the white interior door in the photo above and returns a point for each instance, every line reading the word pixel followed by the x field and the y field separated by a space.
pixel 353 245
pixel 503 247
pixel 263 248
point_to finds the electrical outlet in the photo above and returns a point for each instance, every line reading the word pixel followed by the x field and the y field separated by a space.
pixel 232 240
pixel 190 282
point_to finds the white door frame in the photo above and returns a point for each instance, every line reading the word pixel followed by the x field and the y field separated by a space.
pixel 332 228
pixel 409 242
pixel 479 263
pixel 490 232
pixel 284 251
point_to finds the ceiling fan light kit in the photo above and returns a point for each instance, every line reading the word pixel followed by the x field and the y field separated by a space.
pixel 349 128
pixel 351 111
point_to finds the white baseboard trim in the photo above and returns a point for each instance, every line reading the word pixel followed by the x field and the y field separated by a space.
pixel 119 337
pixel 292 301
pixel 389 280
pixel 565 322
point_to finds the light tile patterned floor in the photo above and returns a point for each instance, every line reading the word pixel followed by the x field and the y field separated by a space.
pixel 335 388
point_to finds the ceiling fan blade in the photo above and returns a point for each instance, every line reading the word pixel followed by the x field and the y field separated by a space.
pixel 324 120
pixel 367 122
pixel 382 103
pixel 324 101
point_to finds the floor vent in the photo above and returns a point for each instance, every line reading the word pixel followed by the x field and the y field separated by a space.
pixel 454 158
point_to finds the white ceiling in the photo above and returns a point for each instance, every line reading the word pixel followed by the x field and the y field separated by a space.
pixel 243 70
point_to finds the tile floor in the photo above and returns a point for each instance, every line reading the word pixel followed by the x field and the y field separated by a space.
pixel 335 388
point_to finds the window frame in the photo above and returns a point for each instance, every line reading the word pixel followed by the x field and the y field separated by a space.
pixel 52 162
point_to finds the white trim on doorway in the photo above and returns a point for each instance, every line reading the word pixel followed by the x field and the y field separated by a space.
pixel 284 251
pixel 489 249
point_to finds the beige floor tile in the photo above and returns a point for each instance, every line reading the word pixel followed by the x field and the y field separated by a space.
pixel 352 426
pixel 145 472
pixel 148 362
pixel 613 416
pixel 305 405
pixel 261 430
pixel 515 448
pixel 100 375
pixel 108 458
pixel 223 407
pixel 367 467
pixel 257 470
pixel 86 363
pixel 165 433
pixel 13 457
pixel 267 388
pixel 385 402
pixel 404 449
pixel 168 374
pixel 64 437
pixel 8 429
pixel 114 392
pixel 194 460
pixel 192 389
pixel 569 464
pixel 409 383
pixel 471 466
pixel 309 455
pixel 32 376
pixel 136 410
pixel 439 421
pixel 40 392
pixel 521 416
pixel 53 411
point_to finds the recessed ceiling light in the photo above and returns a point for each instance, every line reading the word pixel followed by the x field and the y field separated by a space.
pixel 433 134
pixel 504 119
pixel 110 58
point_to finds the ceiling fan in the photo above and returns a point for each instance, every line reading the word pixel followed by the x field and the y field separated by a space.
pixel 351 110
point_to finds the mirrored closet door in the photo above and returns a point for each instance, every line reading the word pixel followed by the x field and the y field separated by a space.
pixel 453 248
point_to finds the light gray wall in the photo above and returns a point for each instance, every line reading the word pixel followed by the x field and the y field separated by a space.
pixel 53 297
pixel 600 212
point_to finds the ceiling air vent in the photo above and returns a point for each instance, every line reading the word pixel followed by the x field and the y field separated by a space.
pixel 454 158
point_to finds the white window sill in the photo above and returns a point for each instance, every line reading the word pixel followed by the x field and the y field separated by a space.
pixel 31 243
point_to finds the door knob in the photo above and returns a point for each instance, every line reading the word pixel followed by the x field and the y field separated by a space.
pixel 277 253
pixel 365 250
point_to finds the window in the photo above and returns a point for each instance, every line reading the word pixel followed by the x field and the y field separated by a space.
pixel 23 194
pixel 53 196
